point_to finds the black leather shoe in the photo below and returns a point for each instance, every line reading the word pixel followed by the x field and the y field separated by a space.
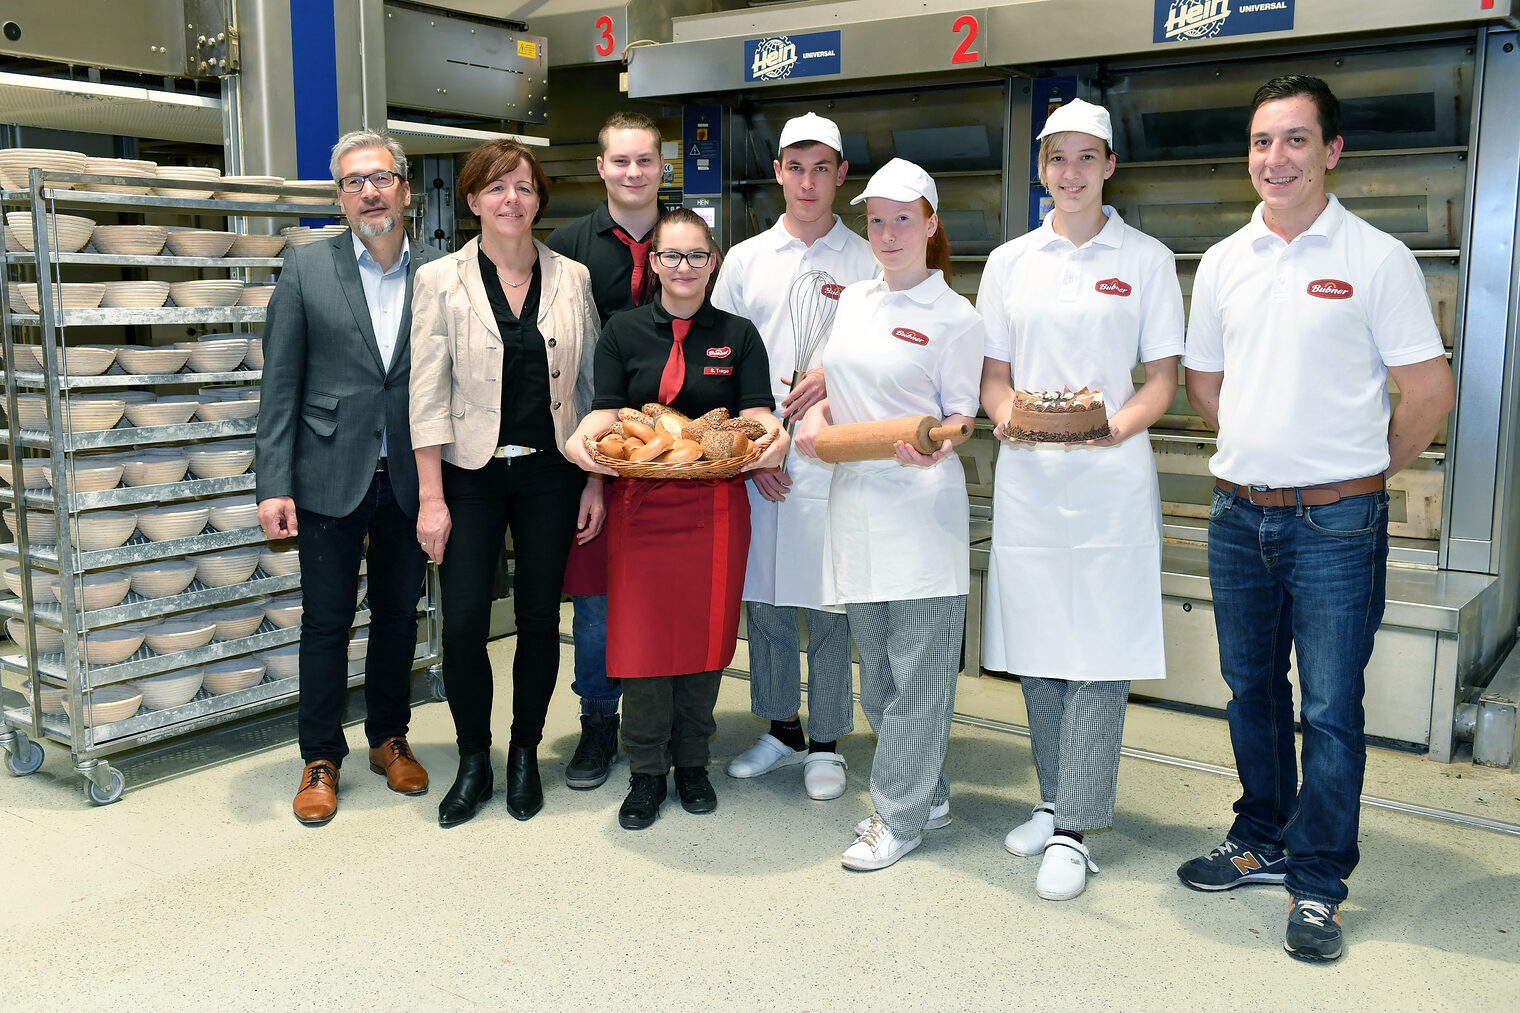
pixel 642 806
pixel 525 792
pixel 471 789
pixel 696 791
pixel 595 754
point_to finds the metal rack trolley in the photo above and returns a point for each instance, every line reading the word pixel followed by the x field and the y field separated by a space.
pixel 23 724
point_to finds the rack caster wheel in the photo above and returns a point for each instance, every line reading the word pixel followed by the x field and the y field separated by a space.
pixel 118 783
pixel 22 766
pixel 435 682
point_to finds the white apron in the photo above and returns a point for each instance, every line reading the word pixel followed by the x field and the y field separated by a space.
pixel 786 548
pixel 1074 589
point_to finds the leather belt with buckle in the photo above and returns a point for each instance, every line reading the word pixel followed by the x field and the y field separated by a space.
pixel 513 450
pixel 1308 495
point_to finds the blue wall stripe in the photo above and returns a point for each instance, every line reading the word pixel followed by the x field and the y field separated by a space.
pixel 313 57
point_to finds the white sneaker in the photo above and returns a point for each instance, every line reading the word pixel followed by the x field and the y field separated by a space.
pixel 939 817
pixel 1063 873
pixel 1028 838
pixel 823 776
pixel 877 848
pixel 767 754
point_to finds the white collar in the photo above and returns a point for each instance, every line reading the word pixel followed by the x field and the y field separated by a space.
pixel 925 293
pixel 362 254
pixel 1324 225
pixel 1111 235
pixel 834 239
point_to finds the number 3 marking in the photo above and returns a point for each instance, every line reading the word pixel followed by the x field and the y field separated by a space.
pixel 964 53
pixel 604 47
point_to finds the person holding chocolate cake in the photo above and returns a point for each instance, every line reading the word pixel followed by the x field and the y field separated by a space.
pixel 898 536
pixel 1074 587
pixel 676 548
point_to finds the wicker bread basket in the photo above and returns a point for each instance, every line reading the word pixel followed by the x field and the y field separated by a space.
pixel 726 467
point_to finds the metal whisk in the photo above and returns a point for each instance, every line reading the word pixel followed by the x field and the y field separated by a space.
pixel 814 299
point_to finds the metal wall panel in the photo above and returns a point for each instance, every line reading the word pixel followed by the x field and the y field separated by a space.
pixel 445 64
pixel 147 36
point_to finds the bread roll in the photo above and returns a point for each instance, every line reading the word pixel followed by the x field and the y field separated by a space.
pixel 631 444
pixel 638 430
pixel 612 446
pixel 752 428
pixel 683 452
pixel 670 423
pixel 652 448
pixel 625 414
pixel 698 427
pixel 720 443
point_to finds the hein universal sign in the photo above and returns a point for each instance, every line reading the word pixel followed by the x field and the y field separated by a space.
pixel 785 56
pixel 1192 20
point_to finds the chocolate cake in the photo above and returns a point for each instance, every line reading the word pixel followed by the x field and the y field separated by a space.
pixel 1057 416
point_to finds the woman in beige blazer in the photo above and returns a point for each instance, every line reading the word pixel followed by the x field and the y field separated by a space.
pixel 503 334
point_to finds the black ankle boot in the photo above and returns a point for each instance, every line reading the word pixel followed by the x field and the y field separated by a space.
pixel 471 789
pixel 525 793
pixel 642 806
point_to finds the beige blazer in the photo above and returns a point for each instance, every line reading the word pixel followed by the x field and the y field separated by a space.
pixel 457 353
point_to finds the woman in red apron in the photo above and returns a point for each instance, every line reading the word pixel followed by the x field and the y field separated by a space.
pixel 676 548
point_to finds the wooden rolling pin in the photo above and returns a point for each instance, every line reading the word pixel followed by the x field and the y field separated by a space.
pixel 873 441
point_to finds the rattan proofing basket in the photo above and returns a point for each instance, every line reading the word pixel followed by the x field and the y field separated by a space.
pixel 726 467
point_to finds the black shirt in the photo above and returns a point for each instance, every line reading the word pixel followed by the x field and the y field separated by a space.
pixel 726 364
pixel 591 241
pixel 525 417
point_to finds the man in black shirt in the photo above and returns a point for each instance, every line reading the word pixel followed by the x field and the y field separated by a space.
pixel 613 243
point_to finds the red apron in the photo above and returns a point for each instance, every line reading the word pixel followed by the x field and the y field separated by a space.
pixel 586 569
pixel 676 552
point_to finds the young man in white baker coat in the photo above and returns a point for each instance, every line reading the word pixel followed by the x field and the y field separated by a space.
pixel 788 508
pixel 1298 322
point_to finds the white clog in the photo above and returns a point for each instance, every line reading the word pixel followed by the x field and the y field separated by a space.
pixel 765 755
pixel 1063 872
pixel 823 776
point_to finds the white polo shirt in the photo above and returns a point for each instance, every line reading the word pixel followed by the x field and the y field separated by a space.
pixel 756 280
pixel 1304 333
pixel 1069 316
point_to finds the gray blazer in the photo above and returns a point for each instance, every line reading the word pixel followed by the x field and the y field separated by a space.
pixel 326 395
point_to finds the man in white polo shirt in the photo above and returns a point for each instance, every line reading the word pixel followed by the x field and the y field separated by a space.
pixel 788 508
pixel 1297 322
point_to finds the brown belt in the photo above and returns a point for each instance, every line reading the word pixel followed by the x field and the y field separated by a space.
pixel 1309 495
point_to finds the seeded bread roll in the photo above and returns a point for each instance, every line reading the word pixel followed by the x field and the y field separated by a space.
pixel 699 427
pixel 654 410
pixel 635 415
pixel 749 427
pixel 720 443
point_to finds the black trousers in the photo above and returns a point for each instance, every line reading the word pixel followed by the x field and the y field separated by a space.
pixel 668 720
pixel 537 497
pixel 330 549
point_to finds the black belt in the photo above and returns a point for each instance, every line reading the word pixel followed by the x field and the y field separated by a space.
pixel 381 466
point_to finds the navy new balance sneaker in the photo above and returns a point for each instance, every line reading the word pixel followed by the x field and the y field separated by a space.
pixel 1314 930
pixel 1231 865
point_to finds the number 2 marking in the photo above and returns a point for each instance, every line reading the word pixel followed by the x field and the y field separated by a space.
pixel 604 25
pixel 964 53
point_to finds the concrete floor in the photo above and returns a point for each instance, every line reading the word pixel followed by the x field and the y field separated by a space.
pixel 199 890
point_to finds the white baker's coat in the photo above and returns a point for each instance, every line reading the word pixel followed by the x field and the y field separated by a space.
pixel 785 565
pixel 897 533
pixel 1074 587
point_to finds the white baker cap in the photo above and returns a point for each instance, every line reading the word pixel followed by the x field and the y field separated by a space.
pixel 1080 116
pixel 811 127
pixel 902 181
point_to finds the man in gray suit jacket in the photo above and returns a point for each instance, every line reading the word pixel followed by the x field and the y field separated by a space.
pixel 335 465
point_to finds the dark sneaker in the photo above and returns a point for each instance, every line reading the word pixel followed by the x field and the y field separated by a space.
pixel 1230 865
pixel 595 754
pixel 642 806
pixel 696 791
pixel 1314 930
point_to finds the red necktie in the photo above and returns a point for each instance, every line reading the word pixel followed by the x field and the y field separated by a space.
pixel 675 366
pixel 640 252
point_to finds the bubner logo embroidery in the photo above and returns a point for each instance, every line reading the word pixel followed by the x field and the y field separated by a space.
pixel 1113 286
pixel 1196 19
pixel 721 352
pixel 1330 288
pixel 774 59
pixel 832 291
pixel 910 336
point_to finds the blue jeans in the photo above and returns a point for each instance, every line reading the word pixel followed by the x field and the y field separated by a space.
pixel 589 630
pixel 1310 580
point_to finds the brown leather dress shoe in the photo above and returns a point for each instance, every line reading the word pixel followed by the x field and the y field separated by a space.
pixel 403 773
pixel 317 800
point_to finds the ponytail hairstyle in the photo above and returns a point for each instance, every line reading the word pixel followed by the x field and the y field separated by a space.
pixel 937 256
pixel 684 216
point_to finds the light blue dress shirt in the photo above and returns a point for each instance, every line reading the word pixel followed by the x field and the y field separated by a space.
pixel 385 295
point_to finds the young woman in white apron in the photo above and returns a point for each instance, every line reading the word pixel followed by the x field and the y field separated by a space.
pixel 897 544
pixel 1074 589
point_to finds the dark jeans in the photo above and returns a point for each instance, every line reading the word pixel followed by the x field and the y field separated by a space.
pixel 599 694
pixel 330 549
pixel 537 497
pixel 668 719
pixel 1309 579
